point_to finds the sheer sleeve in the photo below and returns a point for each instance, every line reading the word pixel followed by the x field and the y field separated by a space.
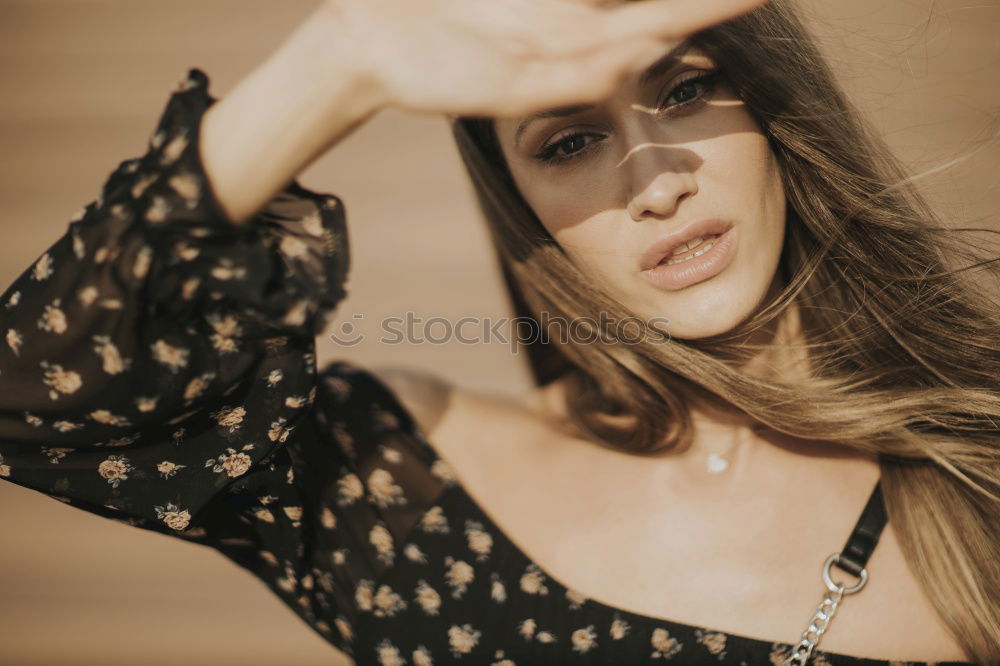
pixel 158 367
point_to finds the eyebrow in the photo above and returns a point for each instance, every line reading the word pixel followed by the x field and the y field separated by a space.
pixel 653 71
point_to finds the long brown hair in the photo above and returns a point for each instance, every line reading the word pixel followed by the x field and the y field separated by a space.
pixel 903 349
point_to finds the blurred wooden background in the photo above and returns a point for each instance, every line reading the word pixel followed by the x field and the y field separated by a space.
pixel 84 82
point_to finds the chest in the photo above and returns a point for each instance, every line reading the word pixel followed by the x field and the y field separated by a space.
pixel 618 529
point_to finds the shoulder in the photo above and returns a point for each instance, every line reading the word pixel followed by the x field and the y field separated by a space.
pixel 429 398
pixel 425 395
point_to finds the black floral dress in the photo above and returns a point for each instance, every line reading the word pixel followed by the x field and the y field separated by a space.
pixel 158 368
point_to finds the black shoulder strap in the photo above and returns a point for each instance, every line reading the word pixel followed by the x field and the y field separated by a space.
pixel 863 539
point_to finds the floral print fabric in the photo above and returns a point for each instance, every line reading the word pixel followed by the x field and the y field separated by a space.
pixel 158 368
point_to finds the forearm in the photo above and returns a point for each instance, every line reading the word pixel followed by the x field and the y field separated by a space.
pixel 303 99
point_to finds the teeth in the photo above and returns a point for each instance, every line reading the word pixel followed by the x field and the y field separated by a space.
pixel 687 246
pixel 702 250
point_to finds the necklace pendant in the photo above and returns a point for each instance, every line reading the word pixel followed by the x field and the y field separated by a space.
pixel 717 464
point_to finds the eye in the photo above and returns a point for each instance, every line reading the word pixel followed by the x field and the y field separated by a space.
pixel 573 144
pixel 686 92
pixel 691 91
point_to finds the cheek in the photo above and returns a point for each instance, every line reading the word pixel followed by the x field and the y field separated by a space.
pixel 584 219
pixel 570 212
pixel 741 165
pixel 597 246
pixel 742 180
pixel 748 182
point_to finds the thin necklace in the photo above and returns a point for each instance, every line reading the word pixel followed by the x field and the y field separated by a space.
pixel 717 463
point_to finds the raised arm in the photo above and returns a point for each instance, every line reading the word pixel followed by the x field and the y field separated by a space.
pixel 157 361
pixel 191 258
pixel 181 305
pixel 311 93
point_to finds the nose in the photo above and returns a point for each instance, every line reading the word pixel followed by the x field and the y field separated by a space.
pixel 658 181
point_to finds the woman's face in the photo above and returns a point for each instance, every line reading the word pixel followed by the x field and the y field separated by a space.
pixel 675 152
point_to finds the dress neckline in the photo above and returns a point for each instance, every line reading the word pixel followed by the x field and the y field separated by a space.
pixel 455 491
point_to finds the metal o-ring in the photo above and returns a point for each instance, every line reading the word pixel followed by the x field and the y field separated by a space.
pixel 833 587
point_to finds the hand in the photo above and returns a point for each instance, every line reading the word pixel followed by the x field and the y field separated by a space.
pixel 513 57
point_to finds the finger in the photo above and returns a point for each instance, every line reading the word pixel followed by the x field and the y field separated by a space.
pixel 562 29
pixel 670 18
pixel 581 79
pixel 558 29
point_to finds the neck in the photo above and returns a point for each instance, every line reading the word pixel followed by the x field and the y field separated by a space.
pixel 720 430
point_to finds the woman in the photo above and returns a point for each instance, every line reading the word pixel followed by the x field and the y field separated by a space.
pixel 797 342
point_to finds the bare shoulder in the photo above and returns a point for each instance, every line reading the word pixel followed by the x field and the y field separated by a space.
pixel 425 395
pixel 430 398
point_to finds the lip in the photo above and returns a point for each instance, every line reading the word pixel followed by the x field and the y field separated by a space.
pixel 686 273
pixel 665 244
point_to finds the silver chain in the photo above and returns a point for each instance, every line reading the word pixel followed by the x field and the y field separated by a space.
pixel 824 613
pixel 817 626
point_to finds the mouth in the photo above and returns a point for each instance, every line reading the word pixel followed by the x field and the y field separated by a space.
pixel 688 251
pixel 684 244
pixel 694 261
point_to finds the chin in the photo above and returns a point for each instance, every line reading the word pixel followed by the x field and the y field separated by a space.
pixel 694 330
pixel 707 313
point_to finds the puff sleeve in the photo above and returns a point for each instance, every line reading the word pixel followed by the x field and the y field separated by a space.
pixel 158 368
pixel 157 358
pixel 153 321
